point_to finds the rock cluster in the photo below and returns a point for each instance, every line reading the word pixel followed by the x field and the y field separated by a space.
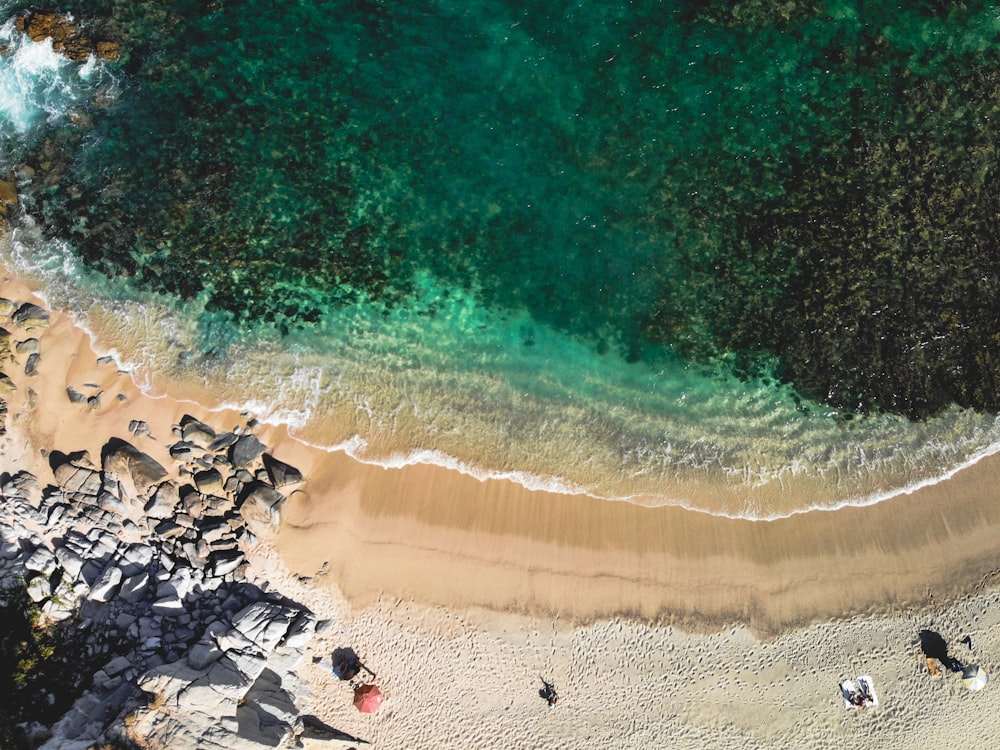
pixel 150 562
pixel 156 568
pixel 68 38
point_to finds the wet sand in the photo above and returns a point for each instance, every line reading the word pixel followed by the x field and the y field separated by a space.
pixel 431 535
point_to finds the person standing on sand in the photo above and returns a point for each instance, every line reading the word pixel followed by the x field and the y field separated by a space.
pixel 548 692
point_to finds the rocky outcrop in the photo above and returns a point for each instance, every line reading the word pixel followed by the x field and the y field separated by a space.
pixel 153 559
pixel 134 472
pixel 224 691
pixel 146 562
pixel 68 37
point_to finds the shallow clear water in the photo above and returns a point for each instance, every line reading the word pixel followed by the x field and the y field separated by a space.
pixel 629 252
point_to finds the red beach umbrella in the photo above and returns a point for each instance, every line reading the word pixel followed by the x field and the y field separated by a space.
pixel 367 698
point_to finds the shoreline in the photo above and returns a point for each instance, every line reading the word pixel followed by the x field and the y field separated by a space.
pixel 463 595
pixel 440 537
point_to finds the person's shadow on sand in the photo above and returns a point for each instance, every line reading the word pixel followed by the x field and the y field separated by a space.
pixel 935 647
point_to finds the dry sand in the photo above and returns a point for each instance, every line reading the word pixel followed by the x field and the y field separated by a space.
pixel 660 627
pixel 470 679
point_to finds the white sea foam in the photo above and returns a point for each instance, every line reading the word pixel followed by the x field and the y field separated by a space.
pixel 357 446
pixel 37 84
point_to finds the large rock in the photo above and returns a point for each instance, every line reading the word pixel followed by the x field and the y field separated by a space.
pixel 39 588
pixel 222 441
pixel 168 606
pixel 267 714
pixel 5 352
pixel 21 483
pixel 245 451
pixel 208 481
pixel 76 477
pixel 164 502
pixel 185 450
pixel 279 472
pixel 106 586
pixel 195 431
pixel 260 507
pixel 42 560
pixel 135 471
pixel 135 587
pixel 139 427
pixel 31 316
pixel 70 561
pixel 225 562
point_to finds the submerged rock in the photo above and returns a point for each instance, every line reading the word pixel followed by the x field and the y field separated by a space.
pixel 8 192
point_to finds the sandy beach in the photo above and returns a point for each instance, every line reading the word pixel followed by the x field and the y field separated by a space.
pixel 660 627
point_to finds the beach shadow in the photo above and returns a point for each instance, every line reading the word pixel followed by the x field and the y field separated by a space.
pixel 347 664
pixel 934 646
pixel 315 729
pixel 58 458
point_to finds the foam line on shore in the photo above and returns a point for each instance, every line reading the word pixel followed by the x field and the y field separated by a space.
pixel 56 265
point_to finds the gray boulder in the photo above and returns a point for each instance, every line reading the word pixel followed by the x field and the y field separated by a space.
pixel 28 346
pixel 105 587
pixel 31 365
pixel 245 451
pixel 138 427
pixel 208 481
pixel 134 588
pixel 196 431
pixel 279 472
pixel 42 560
pixel 163 502
pixel 260 506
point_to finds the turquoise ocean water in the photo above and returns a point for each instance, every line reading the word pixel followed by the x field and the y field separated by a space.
pixel 737 256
